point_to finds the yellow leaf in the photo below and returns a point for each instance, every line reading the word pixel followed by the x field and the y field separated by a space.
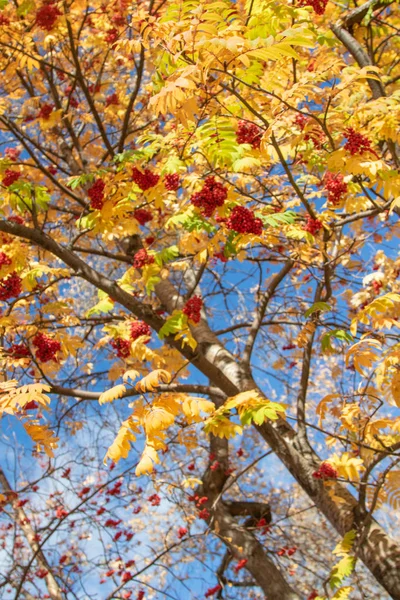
pixel 147 460
pixel 110 395
pixel 121 445
pixel 153 380
pixel 131 374
pixel 42 436
pixel 347 466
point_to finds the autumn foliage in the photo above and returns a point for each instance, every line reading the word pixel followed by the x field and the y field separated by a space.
pixel 199 299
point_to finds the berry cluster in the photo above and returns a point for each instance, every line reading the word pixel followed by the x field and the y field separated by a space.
pixel 47 348
pixel 16 219
pixel 12 153
pixel 249 133
pixel 139 329
pixel 112 100
pixel 19 351
pixel 10 287
pixel 143 216
pixel 45 111
pixel 154 500
pixel 335 186
pixel 312 225
pixel 319 6
pixel 172 182
pixel 47 15
pixel 182 531
pixel 356 142
pixel 4 20
pixel 96 194
pixel 141 259
pixel 377 285
pixel 10 177
pixel 145 180
pixel 4 259
pixel 192 309
pixel 242 220
pixel 122 347
pixel 112 35
pixel 212 195
pixel 325 471
pixel 301 121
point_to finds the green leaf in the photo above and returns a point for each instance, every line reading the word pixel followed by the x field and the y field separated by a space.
pixel 259 413
pixel 173 324
pixel 338 334
pixel 3 4
pixel 104 306
pixel 25 7
pixel 276 219
pixel 166 255
pixel 317 307
pixel 88 221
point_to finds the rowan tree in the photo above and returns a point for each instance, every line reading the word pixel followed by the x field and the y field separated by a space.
pixel 199 285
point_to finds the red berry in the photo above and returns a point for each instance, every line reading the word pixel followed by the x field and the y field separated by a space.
pixel 318 5
pixel 139 329
pixel 211 591
pixel 204 514
pixel 242 220
pixel 210 197
pixel 41 573
pixel 16 219
pixel 145 180
pixel 10 177
pixel 240 565
pixel 313 595
pixel 4 259
pixel 10 287
pixel 47 348
pixel 249 133
pixel 301 121
pixel 312 225
pixel 19 351
pixel 96 194
pixel 335 186
pixel 122 347
pixel 141 259
pixel 154 500
pixel 45 111
pixel 172 182
pixel 46 16
pixel 192 309
pixel 325 471
pixel 127 576
pixel 112 100
pixel 143 216
pixel 356 142
pixel 112 35
pixel 182 531
pixel 12 153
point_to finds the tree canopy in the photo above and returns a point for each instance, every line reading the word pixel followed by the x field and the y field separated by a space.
pixel 199 299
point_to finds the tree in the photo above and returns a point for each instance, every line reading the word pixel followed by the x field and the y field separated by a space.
pixel 200 205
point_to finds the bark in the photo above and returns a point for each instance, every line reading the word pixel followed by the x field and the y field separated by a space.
pixel 23 522
pixel 241 542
